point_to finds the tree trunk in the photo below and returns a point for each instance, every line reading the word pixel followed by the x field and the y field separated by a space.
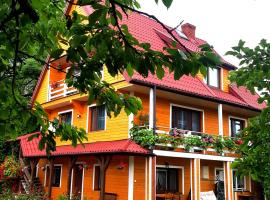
pixel 51 166
pixel 103 161
pixel 72 162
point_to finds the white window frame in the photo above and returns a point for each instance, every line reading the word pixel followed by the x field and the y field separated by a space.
pixel 87 119
pixel 190 108
pixel 175 167
pixel 238 189
pixel 234 117
pixel 94 175
pixel 220 69
pixel 220 169
pixel 45 177
pixel 66 111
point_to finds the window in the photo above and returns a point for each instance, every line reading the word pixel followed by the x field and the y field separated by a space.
pixel 56 178
pixel 238 182
pixel 167 180
pixel 96 177
pixel 97 118
pixel 236 126
pixel 213 77
pixel 186 119
pixel 65 117
pixel 219 174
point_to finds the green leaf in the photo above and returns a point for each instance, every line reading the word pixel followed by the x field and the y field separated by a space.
pixel 167 3
pixel 130 70
pixel 56 53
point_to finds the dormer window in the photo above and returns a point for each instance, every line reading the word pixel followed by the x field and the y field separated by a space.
pixel 213 77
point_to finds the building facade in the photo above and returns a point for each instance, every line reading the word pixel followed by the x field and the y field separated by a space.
pixel 197 105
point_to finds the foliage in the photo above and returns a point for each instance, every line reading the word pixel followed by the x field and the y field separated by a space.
pixel 8 148
pixel 146 138
pixel 10 168
pixel 31 30
pixel 64 197
pixel 12 196
pixel 255 75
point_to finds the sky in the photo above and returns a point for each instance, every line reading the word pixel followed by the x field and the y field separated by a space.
pixel 222 23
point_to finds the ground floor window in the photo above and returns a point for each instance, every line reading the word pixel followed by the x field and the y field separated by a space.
pixel 167 180
pixel 56 178
pixel 238 182
pixel 96 177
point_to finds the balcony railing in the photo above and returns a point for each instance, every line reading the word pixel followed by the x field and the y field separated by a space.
pixel 60 89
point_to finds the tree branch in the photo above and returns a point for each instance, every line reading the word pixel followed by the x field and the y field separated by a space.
pixel 170 31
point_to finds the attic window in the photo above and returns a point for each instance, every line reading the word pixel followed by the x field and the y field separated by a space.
pixel 213 77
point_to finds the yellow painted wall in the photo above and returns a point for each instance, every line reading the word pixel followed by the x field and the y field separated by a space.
pixel 116 127
pixel 226 81
pixel 42 93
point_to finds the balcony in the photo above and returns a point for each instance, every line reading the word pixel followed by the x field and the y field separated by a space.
pixel 184 139
pixel 59 89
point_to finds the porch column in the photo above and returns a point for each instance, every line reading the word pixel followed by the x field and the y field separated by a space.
pixel 195 177
pixel 51 167
pixel 131 178
pixel 228 180
pixel 152 178
pixel 33 164
pixel 152 108
pixel 103 161
pixel 72 162
pixel 220 120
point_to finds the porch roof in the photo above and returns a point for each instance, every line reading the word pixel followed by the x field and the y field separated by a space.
pixel 30 148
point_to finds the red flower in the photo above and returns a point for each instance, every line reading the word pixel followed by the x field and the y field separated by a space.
pixel 239 142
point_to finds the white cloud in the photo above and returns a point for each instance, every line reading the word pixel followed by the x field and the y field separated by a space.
pixel 220 22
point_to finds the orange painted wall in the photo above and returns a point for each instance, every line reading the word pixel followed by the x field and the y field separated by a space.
pixel 209 184
pixel 113 177
pixel 163 114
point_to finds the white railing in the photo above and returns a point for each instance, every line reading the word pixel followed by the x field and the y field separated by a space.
pixel 60 89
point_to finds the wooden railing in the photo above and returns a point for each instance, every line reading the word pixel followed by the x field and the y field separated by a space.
pixel 60 89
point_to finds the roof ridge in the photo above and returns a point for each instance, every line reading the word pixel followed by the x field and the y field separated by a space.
pixel 234 93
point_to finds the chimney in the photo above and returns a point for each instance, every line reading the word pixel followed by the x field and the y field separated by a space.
pixel 189 30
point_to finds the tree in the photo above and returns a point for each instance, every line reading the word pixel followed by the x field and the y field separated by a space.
pixel 37 28
pixel 255 75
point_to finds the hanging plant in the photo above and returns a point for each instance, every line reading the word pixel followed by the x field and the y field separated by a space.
pixel 177 137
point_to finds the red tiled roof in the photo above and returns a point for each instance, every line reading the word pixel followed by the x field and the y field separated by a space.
pixel 30 148
pixel 193 86
pixel 247 96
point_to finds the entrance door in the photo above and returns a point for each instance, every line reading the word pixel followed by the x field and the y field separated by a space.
pixel 219 190
pixel 77 181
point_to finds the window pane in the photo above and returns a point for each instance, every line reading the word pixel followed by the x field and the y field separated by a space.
pixel 97 178
pixel 101 118
pixel 161 180
pixel 172 181
pixel 213 77
pixel 98 118
pixel 93 118
pixel 65 117
pixel 56 176
pixel 196 121
pixel 236 126
pixel 186 119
